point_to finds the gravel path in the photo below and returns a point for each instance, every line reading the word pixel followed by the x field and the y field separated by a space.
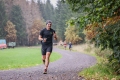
pixel 66 68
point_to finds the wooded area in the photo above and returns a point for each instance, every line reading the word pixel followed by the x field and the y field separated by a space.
pixel 98 20
pixel 24 34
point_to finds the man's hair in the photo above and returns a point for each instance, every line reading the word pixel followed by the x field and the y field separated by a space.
pixel 48 21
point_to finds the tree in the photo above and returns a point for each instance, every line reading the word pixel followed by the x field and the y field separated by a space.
pixel 17 19
pixel 11 32
pixel 62 15
pixel 72 34
pixel 34 31
pixel 3 19
pixel 42 9
pixel 48 11
pixel 95 10
pixel 102 12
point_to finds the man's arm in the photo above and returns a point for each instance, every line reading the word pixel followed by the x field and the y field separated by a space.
pixel 40 38
pixel 54 35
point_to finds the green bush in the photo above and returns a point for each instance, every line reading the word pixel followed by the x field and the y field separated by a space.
pixel 110 38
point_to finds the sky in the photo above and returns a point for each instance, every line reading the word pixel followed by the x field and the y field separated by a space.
pixel 54 2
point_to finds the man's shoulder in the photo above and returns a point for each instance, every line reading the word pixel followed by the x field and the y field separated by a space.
pixel 52 29
pixel 43 29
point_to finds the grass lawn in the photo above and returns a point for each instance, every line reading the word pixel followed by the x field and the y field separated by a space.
pixel 21 57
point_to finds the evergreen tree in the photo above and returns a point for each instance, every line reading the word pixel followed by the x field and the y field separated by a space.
pixel 48 12
pixel 17 19
pixel 62 15
pixel 3 19
pixel 42 8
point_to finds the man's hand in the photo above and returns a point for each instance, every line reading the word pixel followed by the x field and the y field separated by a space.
pixel 44 39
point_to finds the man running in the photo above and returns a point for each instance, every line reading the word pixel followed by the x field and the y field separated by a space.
pixel 46 38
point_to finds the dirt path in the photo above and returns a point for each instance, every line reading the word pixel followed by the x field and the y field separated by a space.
pixel 65 68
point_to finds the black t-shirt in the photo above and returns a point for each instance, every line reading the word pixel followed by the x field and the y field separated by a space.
pixel 47 34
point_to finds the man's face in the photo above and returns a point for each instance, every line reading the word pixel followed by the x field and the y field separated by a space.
pixel 49 25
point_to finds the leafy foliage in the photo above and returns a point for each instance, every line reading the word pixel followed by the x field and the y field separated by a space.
pixel 11 32
pixel 72 34
pixel 105 14
pixel 110 38
pixel 107 36
pixel 91 30
pixel 96 9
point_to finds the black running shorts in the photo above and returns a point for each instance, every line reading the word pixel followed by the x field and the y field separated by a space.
pixel 46 48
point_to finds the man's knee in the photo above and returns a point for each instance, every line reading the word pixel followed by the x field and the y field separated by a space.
pixel 48 54
pixel 43 57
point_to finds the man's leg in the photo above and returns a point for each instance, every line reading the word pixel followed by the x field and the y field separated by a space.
pixel 47 60
pixel 43 51
pixel 43 59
